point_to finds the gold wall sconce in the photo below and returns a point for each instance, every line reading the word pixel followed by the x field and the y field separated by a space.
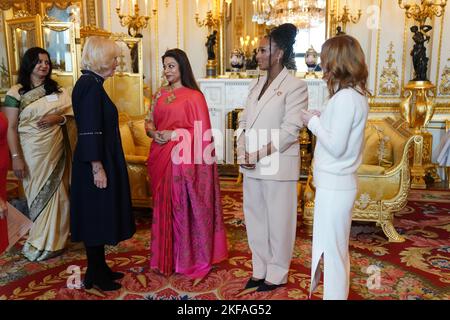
pixel 134 21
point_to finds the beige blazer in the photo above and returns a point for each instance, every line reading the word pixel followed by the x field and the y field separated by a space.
pixel 274 118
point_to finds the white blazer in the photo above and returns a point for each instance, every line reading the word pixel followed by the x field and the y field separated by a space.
pixel 274 118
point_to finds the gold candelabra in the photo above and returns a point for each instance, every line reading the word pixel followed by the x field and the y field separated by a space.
pixel 210 21
pixel 135 23
pixel 345 18
pixel 426 9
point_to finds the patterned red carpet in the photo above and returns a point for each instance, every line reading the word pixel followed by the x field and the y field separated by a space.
pixel 416 269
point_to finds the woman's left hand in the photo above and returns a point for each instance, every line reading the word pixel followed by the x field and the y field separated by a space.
pixel 162 137
pixel 3 209
pixel 49 120
pixel 306 116
pixel 166 135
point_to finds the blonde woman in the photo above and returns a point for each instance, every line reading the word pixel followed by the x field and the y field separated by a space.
pixel 100 194
pixel 337 156
pixel 37 110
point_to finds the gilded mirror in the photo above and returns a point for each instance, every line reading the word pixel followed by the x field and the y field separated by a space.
pixel 21 34
pixel 59 41
pixel 62 10
pixel 4 68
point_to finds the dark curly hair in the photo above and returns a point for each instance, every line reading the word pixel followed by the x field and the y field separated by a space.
pixel 29 61
pixel 284 36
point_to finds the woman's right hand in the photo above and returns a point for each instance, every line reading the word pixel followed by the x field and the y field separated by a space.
pixel 3 209
pixel 18 166
pixel 159 138
pixel 100 178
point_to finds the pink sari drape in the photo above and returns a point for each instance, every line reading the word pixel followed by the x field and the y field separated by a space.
pixel 188 233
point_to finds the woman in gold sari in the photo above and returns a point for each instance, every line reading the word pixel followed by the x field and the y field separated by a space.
pixel 36 109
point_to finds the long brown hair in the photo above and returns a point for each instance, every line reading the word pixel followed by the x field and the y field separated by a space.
pixel 187 76
pixel 344 65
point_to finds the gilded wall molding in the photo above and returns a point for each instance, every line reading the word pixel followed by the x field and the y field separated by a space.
pixel 405 49
pixel 178 22
pixel 441 32
pixel 15 4
pixel 109 18
pixel 380 3
pixel 156 20
pixel 90 11
pixel 389 80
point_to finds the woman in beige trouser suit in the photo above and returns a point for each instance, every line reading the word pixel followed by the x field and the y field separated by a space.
pixel 269 155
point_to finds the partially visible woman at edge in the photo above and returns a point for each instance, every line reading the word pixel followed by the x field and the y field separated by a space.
pixel 188 233
pixel 4 161
pixel 37 110
pixel 337 156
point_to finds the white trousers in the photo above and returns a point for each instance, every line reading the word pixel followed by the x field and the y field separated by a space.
pixel 270 210
pixel 331 233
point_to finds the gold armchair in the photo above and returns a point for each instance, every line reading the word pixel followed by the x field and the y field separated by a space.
pixel 136 146
pixel 383 178
pixel 383 190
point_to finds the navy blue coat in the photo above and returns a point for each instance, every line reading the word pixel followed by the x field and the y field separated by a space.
pixel 98 216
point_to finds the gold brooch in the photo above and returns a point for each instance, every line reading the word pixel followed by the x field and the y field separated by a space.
pixel 171 96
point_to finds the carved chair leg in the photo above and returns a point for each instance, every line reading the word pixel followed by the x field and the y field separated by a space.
pixel 390 232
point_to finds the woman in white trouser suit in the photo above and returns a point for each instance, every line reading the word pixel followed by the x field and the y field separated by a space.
pixel 337 156
pixel 269 154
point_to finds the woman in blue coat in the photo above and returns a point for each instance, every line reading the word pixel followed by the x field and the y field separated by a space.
pixel 100 195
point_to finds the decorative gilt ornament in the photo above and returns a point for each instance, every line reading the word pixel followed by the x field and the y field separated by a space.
pixel 8 4
pixel 417 107
pixel 444 87
pixel 21 14
pixel 389 79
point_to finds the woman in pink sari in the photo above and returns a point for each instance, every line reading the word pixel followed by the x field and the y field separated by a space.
pixel 188 233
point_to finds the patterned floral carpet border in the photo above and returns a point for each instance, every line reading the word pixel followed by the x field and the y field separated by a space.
pixel 419 268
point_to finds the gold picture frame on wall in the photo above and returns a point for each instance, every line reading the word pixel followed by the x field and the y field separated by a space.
pixel 21 34
pixel 59 41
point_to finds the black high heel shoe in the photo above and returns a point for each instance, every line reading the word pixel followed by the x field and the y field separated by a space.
pixel 251 283
pixel 102 281
pixel 116 275
pixel 113 275
pixel 264 287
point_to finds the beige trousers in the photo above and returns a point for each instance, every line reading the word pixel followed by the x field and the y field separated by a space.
pixel 270 210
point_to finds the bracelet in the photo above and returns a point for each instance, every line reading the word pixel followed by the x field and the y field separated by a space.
pixel 15 155
pixel 64 121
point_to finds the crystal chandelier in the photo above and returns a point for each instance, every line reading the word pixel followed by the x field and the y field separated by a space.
pixel 302 13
